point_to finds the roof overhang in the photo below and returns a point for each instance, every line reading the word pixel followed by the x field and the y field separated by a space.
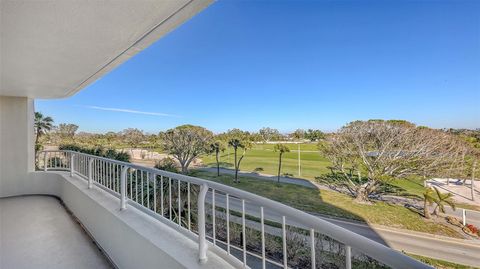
pixel 53 49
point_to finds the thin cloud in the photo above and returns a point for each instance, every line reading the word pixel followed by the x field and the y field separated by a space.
pixel 123 110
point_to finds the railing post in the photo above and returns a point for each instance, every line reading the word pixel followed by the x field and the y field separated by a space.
pixel 348 257
pixel 45 165
pixel 202 240
pixel 71 164
pixel 123 188
pixel 90 173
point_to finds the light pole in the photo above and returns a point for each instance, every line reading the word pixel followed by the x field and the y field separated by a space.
pixel 299 166
pixel 472 187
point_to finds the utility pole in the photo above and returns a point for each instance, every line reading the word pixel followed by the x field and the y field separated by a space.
pixel 299 167
pixel 472 187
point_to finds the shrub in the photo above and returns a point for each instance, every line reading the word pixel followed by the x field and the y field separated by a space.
pixel 98 151
pixel 258 169
pixel 167 164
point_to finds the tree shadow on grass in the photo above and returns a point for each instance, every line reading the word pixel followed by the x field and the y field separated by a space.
pixel 308 199
pixel 222 164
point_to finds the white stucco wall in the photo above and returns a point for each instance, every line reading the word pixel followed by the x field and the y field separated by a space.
pixel 16 143
pixel 131 238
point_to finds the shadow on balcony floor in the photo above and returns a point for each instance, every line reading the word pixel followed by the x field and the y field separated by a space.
pixel 37 232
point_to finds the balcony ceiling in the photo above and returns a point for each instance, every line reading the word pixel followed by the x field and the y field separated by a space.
pixel 53 49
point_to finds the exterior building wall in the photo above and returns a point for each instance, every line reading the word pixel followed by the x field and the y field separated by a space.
pixel 130 238
pixel 17 149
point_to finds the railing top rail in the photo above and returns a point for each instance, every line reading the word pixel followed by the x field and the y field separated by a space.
pixel 365 245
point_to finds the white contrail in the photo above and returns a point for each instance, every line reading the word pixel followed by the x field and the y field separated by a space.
pixel 130 111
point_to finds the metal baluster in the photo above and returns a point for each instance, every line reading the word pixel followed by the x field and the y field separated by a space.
pixel 284 241
pixel 161 195
pixel 228 222
pixel 179 203
pixel 263 236
pixel 348 257
pixel 131 183
pixel 109 176
pixel 136 186
pixel 141 188
pixel 104 173
pixel 72 166
pixel 202 239
pixel 123 188
pixel 45 160
pixel 148 190
pixel 170 197
pixel 114 175
pixel 312 247
pixel 93 169
pixel 244 238
pixel 90 173
pixel 213 217
pixel 155 193
pixel 188 207
pixel 118 178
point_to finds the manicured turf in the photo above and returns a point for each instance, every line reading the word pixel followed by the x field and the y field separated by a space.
pixel 334 204
pixel 412 187
pixel 313 164
pixel 263 156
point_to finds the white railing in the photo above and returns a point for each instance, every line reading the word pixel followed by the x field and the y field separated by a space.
pixel 235 223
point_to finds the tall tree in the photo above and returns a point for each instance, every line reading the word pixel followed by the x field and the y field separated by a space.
pixel 428 199
pixel 281 149
pixel 298 134
pixel 388 149
pixel 187 142
pixel 133 137
pixel 215 148
pixel 269 134
pixel 42 125
pixel 67 130
pixel 314 135
pixel 238 139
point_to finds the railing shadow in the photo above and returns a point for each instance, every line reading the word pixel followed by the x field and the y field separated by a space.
pixel 442 185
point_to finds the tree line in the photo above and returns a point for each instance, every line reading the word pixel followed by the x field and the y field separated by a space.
pixel 364 155
pixel 184 143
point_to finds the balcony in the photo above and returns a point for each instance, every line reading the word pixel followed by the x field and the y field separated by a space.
pixel 143 216
pixel 37 232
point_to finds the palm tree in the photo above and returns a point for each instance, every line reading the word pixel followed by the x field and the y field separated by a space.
pixel 42 125
pixel 216 147
pixel 281 148
pixel 235 144
pixel 441 200
pixel 428 199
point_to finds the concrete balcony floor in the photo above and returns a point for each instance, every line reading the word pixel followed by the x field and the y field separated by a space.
pixel 38 232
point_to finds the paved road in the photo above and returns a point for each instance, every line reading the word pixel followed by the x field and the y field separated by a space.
pixel 291 180
pixel 455 250
pixel 473 217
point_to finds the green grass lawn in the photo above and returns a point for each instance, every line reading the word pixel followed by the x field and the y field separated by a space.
pixel 313 164
pixel 412 187
pixel 334 204
pixel 263 156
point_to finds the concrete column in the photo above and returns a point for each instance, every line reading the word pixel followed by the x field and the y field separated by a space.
pixel 17 149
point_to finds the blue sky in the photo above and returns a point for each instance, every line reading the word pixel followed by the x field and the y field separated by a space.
pixel 295 64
